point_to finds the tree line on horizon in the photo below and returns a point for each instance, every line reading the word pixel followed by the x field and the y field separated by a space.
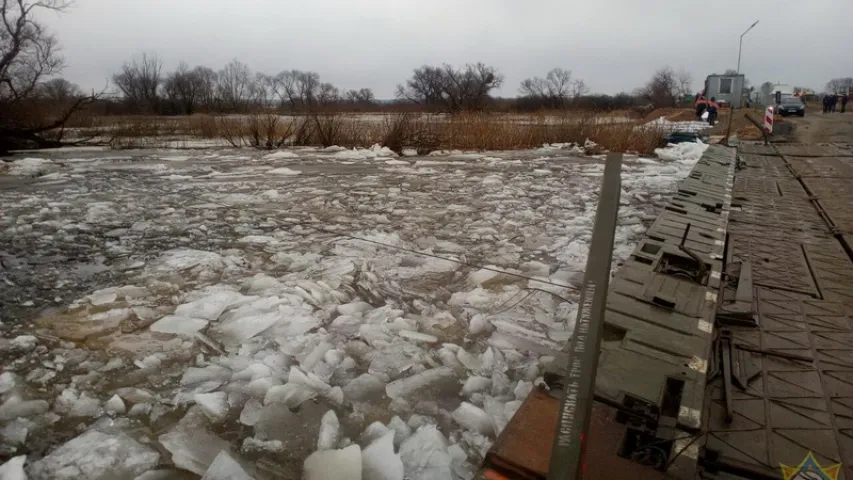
pixel 35 99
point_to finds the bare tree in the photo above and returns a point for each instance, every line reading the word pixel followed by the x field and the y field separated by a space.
pixel 426 87
pixel 207 82
pixel 363 96
pixel 307 88
pixel 838 85
pixel 28 55
pixel 685 82
pixel 262 90
pixel 665 87
pixel 59 91
pixel 140 80
pixel 454 89
pixel 579 89
pixel 327 94
pixel 184 88
pixel 553 91
pixel 233 87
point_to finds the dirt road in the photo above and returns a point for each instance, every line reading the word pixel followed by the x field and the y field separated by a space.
pixel 823 128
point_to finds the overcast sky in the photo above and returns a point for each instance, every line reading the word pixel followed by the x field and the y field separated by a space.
pixel 614 45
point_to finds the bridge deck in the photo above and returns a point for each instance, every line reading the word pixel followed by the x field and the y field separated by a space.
pixel 768 318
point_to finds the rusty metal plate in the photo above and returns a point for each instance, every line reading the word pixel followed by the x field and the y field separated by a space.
pixel 523 449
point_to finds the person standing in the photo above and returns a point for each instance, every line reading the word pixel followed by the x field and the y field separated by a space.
pixel 833 100
pixel 712 111
pixel 844 103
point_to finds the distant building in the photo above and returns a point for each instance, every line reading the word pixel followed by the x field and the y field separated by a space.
pixel 726 89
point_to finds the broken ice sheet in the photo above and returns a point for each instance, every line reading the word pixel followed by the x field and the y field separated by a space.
pixel 225 468
pixel 96 456
pixel 379 462
pixel 425 455
pixel 193 450
pixel 409 386
pixel 344 464
pixel 14 469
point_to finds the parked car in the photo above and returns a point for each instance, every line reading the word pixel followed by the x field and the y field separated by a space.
pixel 791 106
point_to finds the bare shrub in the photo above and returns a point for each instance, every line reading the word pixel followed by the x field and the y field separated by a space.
pixel 328 128
pixel 269 131
pixel 231 129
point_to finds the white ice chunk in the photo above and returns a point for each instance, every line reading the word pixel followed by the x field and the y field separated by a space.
pixel 379 462
pixel 85 406
pixel 7 381
pixel 425 455
pixel 103 297
pixel 471 362
pixel 522 389
pixel 214 405
pixel 476 384
pixel 30 167
pixel 252 444
pixel 417 336
pixel 315 356
pixel 96 456
pixel 284 171
pixel 473 418
pixel 14 469
pixel 402 430
pixel 363 387
pixel 225 468
pixel 14 408
pixel 479 323
pixel 251 412
pixel 354 308
pixel 239 329
pixel 291 394
pixel 330 431
pixel 140 410
pixel 210 307
pixel 15 432
pixel 193 450
pixel 332 357
pixel 344 464
pixel 261 282
pixel 409 385
pixel 373 432
pixel 178 325
pixel 115 406
pixel 24 343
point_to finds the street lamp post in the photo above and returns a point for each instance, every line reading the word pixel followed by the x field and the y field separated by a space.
pixel 740 48
pixel 732 113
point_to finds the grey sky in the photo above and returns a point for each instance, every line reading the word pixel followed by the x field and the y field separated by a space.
pixel 614 45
